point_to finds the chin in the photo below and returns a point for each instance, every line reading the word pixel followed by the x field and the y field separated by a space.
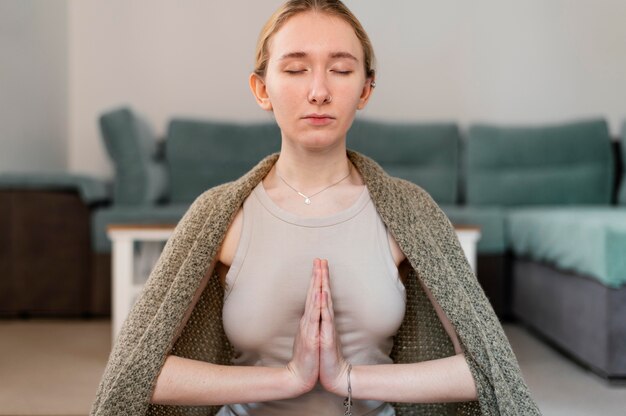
pixel 321 142
pixel 316 140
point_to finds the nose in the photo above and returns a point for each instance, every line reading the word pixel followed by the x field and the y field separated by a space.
pixel 319 92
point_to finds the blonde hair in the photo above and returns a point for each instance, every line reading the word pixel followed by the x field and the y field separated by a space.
pixel 294 7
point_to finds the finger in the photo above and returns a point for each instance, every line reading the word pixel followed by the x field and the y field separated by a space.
pixel 329 336
pixel 317 272
pixel 326 286
pixel 314 271
pixel 310 323
pixel 313 329
pixel 324 275
pixel 317 281
pixel 326 326
pixel 314 313
pixel 311 295
pixel 326 315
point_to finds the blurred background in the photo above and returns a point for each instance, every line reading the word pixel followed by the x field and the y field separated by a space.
pixel 64 63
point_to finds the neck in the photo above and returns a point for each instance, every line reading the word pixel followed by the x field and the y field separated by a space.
pixel 308 170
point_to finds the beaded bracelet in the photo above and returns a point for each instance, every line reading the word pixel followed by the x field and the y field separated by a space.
pixel 347 403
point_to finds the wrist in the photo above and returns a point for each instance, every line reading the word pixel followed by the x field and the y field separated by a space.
pixel 294 384
pixel 347 403
pixel 342 382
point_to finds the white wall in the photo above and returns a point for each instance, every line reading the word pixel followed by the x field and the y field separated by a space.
pixel 163 58
pixel 532 61
pixel 33 86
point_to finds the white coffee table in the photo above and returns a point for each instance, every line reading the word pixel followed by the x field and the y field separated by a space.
pixel 127 286
pixel 468 237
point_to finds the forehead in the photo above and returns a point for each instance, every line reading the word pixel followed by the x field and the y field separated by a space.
pixel 315 34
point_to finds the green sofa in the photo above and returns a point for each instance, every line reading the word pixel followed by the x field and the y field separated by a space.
pixel 565 235
pixel 200 154
pixel 544 197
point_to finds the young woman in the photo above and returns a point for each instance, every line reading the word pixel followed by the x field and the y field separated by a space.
pixel 312 276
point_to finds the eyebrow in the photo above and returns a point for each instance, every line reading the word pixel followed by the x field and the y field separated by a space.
pixel 333 55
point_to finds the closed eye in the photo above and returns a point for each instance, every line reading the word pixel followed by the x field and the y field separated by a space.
pixel 295 71
pixel 342 72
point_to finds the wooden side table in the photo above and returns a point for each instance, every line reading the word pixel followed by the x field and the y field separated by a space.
pixel 44 254
pixel 45 245
pixel 127 286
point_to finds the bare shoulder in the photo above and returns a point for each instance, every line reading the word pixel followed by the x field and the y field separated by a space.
pixel 397 254
pixel 229 246
pixel 231 240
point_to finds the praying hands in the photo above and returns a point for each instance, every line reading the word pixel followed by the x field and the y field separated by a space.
pixel 317 356
pixel 317 349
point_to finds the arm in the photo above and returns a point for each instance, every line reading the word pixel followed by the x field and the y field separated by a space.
pixel 195 383
pixel 443 380
pixel 184 381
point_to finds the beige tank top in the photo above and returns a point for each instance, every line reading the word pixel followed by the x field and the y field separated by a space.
pixel 267 283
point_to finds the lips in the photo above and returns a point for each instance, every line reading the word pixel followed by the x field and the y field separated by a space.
pixel 320 116
pixel 319 119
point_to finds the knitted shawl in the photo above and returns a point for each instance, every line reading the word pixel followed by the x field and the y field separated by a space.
pixel 154 327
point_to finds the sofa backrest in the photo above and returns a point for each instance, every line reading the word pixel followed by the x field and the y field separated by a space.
pixel 426 154
pixel 203 154
pixel 569 163
pixel 140 174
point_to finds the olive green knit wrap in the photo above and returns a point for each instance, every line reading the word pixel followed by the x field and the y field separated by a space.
pixel 152 330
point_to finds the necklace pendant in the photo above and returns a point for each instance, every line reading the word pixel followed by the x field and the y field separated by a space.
pixel 307 199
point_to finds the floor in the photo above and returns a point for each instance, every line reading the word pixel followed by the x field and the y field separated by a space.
pixel 53 368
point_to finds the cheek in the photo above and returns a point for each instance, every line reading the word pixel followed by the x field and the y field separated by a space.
pixel 284 99
pixel 350 94
pixel 284 93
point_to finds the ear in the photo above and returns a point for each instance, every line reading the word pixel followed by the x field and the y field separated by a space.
pixel 259 90
pixel 368 88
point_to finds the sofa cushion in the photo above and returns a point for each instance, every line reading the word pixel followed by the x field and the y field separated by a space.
pixel 586 240
pixel 489 219
pixel 140 177
pixel 552 165
pixel 202 154
pixel 157 214
pixel 622 190
pixel 426 154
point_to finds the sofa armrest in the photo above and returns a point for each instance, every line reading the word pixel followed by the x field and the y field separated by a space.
pixel 92 191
